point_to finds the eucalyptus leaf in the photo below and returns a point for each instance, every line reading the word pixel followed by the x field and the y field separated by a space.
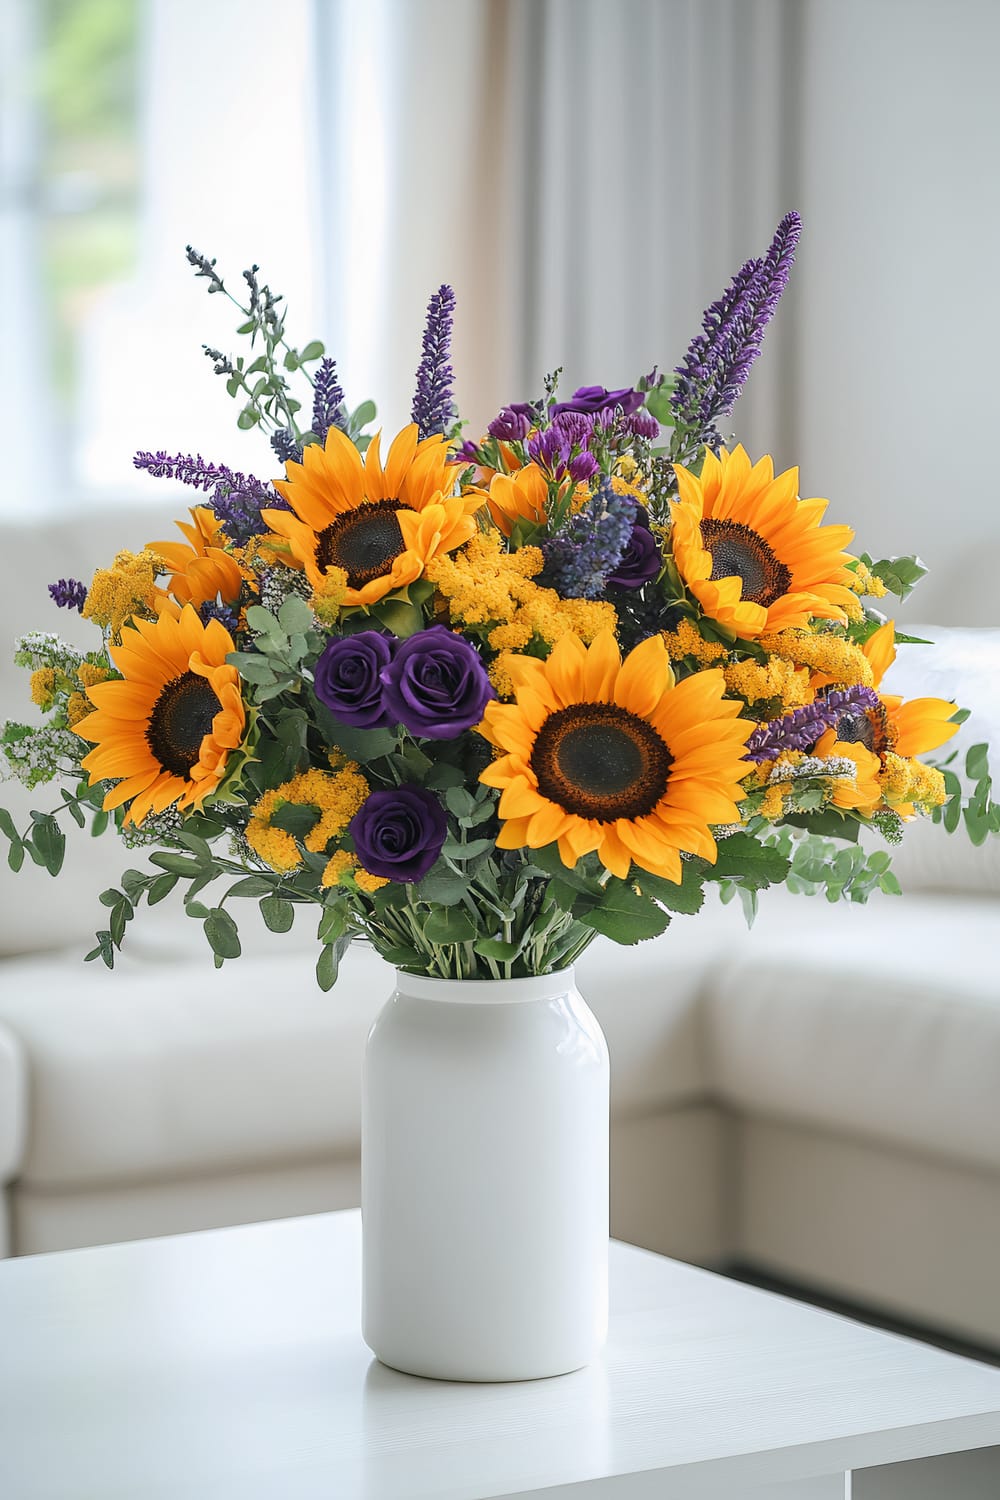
pixel 222 933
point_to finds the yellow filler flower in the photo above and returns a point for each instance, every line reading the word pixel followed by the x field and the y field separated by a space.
pixel 380 525
pixel 610 756
pixel 751 552
pixel 165 730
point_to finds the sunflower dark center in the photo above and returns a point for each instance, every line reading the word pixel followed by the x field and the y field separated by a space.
pixel 182 716
pixel 869 727
pixel 364 542
pixel 740 552
pixel 600 761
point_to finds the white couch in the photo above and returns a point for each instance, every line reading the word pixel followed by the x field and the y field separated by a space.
pixel 819 1099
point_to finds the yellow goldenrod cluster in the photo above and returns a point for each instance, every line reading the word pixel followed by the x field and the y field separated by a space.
pixel 766 682
pixel 686 641
pixel 840 660
pixel 499 674
pixel 773 804
pixel 343 869
pixel 43 687
pixel 77 708
pixel 127 588
pixel 908 782
pixel 90 675
pixel 866 582
pixel 328 598
pixel 336 797
pixel 483 584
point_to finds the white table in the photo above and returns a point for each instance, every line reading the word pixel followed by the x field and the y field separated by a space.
pixel 229 1366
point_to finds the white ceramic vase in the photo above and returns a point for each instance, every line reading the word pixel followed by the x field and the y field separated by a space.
pixel 485 1179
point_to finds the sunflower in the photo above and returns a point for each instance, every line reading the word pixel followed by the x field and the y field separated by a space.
pixel 200 568
pixel 893 727
pixel 751 552
pixel 610 756
pixel 164 731
pixel 380 525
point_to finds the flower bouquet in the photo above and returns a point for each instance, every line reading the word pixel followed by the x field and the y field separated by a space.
pixel 479 700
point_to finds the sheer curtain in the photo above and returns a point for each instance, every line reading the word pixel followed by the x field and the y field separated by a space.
pixel 587 175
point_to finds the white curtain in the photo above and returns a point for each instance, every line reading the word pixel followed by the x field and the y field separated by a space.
pixel 588 175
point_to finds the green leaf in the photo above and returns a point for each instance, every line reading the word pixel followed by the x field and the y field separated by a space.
pixel 177 864
pixel 196 909
pixel 687 898
pixel 104 949
pixel 50 841
pixel 830 823
pixel 222 933
pixel 496 948
pixel 400 616
pixel 15 856
pixel 251 885
pixel 76 812
pixel 625 916
pixel 444 775
pixel 462 853
pixel 442 886
pixel 460 801
pixel 362 415
pixel 313 350
pixel 296 818
pixel 334 922
pixel 549 861
pixel 110 897
pixel 292 359
pixel 977 762
pixel 361 745
pixel 100 823
pixel 658 404
pixel 328 964
pixel 247 418
pixel 278 913
pixel 7 826
pixel 740 857
pixel 900 574
pixel 121 914
pixel 449 924
pixel 160 888
pixel 889 884
pixel 295 614
pixel 254 669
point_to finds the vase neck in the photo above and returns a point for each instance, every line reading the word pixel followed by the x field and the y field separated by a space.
pixel 485 991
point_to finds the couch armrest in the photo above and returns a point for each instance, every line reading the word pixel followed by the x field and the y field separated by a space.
pixel 13 1105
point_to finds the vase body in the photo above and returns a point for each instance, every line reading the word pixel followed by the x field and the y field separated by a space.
pixel 485 1179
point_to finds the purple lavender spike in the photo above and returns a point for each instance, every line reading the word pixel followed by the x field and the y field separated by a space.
pixel 69 593
pixel 719 359
pixel 328 400
pixel 236 498
pixel 433 403
pixel 800 729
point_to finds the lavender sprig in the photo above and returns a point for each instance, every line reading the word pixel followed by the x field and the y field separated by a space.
pixel 328 400
pixel 69 593
pixel 719 359
pixel 191 468
pixel 285 446
pixel 433 402
pixel 235 498
pixel 580 560
pixel 800 729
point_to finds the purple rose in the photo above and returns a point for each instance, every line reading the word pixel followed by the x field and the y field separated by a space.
pixel 593 398
pixel 436 685
pixel 399 832
pixel 641 560
pixel 348 679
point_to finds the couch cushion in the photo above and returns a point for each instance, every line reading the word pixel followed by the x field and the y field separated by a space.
pixel 879 1021
pixel 166 1067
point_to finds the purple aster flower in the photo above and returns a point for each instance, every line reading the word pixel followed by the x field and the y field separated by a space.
pixel 642 559
pixel 69 593
pixel 433 403
pixel 549 450
pixel 348 679
pixel 642 424
pixel 509 425
pixel 399 833
pixel 595 398
pixel 574 427
pixel 581 468
pixel 436 685
pixel 580 560
pixel 800 729
pixel 328 400
pixel 719 359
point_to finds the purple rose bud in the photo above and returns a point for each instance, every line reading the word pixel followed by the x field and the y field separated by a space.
pixel 348 679
pixel 468 452
pixel 641 560
pixel 582 467
pixel 594 398
pixel 399 833
pixel 436 685
pixel 642 424
pixel 509 426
